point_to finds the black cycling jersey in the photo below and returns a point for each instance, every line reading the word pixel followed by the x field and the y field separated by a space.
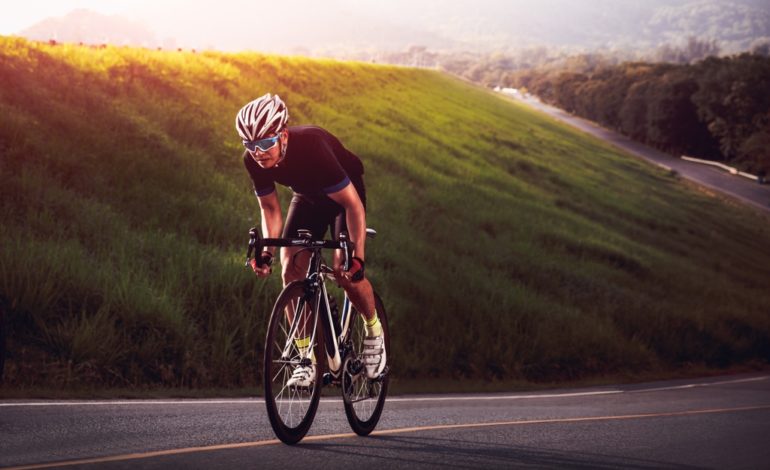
pixel 316 164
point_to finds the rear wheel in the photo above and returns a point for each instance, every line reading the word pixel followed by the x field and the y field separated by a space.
pixel 291 409
pixel 364 398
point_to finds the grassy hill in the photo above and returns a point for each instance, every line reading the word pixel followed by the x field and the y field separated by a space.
pixel 512 248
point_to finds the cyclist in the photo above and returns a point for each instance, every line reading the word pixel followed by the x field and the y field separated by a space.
pixel 328 192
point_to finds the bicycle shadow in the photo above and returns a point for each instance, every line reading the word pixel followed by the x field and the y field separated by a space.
pixel 414 451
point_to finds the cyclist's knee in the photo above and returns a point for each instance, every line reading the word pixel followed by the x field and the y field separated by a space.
pixel 291 272
pixel 293 266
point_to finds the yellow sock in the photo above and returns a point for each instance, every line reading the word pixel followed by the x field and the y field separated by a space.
pixel 303 345
pixel 373 325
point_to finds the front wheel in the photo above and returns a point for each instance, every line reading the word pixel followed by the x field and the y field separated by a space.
pixel 291 408
pixel 364 398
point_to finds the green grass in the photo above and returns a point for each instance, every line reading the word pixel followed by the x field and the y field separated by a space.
pixel 512 250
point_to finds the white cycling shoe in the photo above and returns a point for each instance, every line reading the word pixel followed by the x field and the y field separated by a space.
pixel 374 356
pixel 303 376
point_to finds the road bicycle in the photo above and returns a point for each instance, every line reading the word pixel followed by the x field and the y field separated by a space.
pixel 304 309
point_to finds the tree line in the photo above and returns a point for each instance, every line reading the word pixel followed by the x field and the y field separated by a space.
pixel 717 108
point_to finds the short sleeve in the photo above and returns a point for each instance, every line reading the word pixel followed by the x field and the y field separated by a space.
pixel 330 174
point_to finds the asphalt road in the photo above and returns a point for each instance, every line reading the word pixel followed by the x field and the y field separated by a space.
pixel 720 422
pixel 738 187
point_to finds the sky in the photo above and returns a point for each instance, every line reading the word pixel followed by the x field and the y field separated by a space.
pixel 17 15
pixel 191 22
pixel 182 16
pixel 231 24
pixel 295 25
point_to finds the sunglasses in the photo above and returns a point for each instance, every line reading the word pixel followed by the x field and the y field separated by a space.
pixel 263 144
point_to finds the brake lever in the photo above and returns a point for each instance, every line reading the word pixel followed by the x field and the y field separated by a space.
pixel 345 244
pixel 255 242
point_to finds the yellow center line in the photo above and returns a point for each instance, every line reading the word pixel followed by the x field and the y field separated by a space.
pixel 326 437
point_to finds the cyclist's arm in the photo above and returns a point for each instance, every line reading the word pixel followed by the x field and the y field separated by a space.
pixel 272 220
pixel 355 217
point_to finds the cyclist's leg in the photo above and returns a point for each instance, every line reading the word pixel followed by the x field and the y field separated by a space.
pixel 302 214
pixel 292 271
pixel 373 353
pixel 293 266
pixel 360 293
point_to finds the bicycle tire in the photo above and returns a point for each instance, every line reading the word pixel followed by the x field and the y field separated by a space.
pixel 291 410
pixel 364 415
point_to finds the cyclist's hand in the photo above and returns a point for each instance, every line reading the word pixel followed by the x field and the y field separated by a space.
pixel 356 271
pixel 261 265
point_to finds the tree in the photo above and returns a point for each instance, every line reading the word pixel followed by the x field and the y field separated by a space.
pixel 565 87
pixel 694 50
pixel 733 101
pixel 633 111
pixel 672 119
pixel 755 152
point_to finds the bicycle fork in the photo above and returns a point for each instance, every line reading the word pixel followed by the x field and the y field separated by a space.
pixel 333 356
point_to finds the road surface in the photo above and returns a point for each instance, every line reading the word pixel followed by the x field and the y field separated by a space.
pixel 738 187
pixel 720 422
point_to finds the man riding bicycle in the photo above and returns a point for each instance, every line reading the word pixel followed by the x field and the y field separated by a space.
pixel 328 192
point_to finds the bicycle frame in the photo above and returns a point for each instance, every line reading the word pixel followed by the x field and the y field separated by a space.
pixel 316 286
pixel 315 289
pixel 296 321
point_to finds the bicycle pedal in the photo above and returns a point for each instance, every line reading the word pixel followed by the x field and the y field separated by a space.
pixel 328 378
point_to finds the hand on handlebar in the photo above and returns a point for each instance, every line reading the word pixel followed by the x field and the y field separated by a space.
pixel 262 265
pixel 356 271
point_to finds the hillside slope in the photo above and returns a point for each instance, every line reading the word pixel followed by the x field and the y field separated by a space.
pixel 511 247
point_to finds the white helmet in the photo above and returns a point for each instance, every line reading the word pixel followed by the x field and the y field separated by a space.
pixel 264 116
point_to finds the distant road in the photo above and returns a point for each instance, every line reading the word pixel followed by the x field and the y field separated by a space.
pixel 738 187
pixel 720 422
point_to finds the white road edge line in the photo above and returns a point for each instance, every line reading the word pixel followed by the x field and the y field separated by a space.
pixel 506 397
pixel 393 399
pixel 706 384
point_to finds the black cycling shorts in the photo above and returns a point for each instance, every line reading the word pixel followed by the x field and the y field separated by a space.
pixel 319 214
